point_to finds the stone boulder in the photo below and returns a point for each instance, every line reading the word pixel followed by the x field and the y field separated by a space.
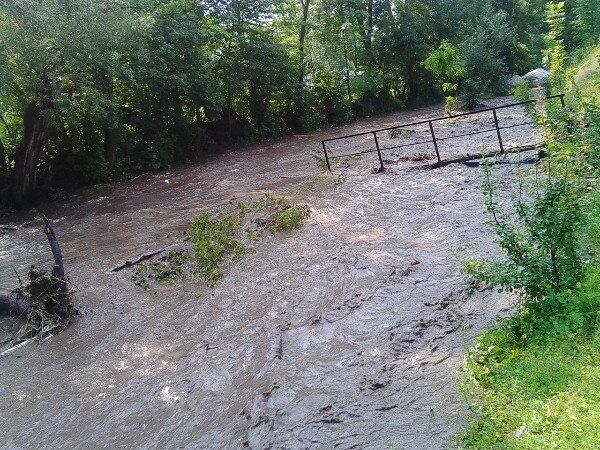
pixel 514 81
pixel 538 77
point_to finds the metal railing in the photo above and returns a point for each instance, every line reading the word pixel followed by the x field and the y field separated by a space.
pixel 433 139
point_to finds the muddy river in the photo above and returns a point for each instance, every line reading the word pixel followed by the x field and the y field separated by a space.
pixel 346 333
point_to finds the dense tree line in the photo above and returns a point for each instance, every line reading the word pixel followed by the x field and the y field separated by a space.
pixel 92 89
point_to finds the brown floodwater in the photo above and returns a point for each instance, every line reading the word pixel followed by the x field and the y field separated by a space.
pixel 348 332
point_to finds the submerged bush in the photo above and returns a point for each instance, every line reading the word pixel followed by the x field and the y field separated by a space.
pixel 218 239
pixel 290 218
pixel 167 269
pixel 214 239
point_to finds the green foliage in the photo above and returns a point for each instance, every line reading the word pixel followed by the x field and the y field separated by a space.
pixel 305 114
pixel 543 394
pixel 555 52
pixel 550 237
pixel 534 377
pixel 488 54
pixel 587 21
pixel 586 75
pixel 522 91
pixel 451 105
pixel 332 99
pixel 217 239
pixel 214 239
pixel 485 72
pixel 540 242
pixel 289 218
pixel 133 86
pixel 445 64
pixel 167 269
pixel 448 68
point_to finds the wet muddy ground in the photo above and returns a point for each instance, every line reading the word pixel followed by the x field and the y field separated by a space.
pixel 348 332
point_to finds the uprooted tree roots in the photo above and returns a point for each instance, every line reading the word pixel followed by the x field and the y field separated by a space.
pixel 45 304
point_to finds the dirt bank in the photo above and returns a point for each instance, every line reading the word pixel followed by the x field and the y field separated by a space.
pixel 346 333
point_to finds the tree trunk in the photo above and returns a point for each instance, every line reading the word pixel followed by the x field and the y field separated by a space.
pixel 36 125
pixel 110 148
pixel 2 156
pixel 110 136
pixel 368 36
pixel 259 103
pixel 302 39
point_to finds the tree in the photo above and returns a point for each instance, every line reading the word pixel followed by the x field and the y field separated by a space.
pixel 448 68
pixel 91 89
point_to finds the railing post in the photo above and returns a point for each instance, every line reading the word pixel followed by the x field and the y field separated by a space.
pixel 437 151
pixel 378 150
pixel 498 131
pixel 562 100
pixel 326 157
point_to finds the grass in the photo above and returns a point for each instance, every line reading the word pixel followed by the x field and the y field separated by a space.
pixel 542 393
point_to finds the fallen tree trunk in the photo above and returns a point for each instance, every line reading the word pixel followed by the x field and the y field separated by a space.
pixel 462 159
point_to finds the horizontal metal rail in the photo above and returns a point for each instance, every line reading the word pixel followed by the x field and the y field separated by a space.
pixel 497 128
pixel 408 145
pixel 517 125
pixel 454 136
pixel 437 119
pixel 489 130
pixel 353 154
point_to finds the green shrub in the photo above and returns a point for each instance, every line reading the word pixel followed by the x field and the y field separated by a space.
pixel 332 99
pixel 589 25
pixel 225 236
pixel 160 153
pixel 522 91
pixel 446 64
pixel 451 105
pixel 311 119
pixel 542 245
pixel 486 56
